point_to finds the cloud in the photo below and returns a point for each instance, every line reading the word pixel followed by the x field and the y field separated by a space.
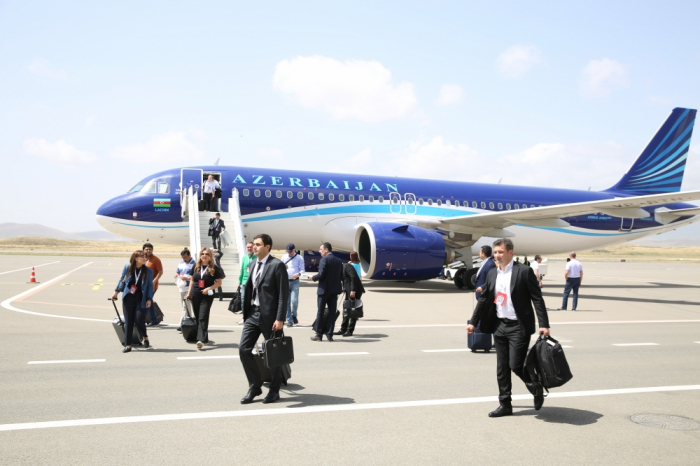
pixel 171 147
pixel 659 100
pixel 353 89
pixel 43 68
pixel 518 59
pixel 601 77
pixel 271 153
pixel 358 163
pixel 60 153
pixel 450 94
pixel 89 121
pixel 430 160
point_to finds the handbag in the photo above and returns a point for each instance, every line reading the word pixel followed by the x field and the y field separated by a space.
pixel 235 304
pixel 278 350
pixel 353 308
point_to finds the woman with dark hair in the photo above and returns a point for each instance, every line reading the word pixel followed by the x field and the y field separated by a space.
pixel 206 278
pixel 352 284
pixel 136 285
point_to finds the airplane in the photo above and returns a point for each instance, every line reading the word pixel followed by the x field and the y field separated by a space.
pixel 408 229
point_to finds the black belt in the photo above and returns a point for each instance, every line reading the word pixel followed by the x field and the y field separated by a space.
pixel 509 321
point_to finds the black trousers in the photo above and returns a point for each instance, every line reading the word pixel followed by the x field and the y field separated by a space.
pixel 133 314
pixel 201 306
pixel 207 200
pixel 330 300
pixel 348 325
pixel 511 350
pixel 216 240
pixel 249 337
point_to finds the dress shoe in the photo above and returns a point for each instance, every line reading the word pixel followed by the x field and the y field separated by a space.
pixel 539 399
pixel 290 323
pixel 294 318
pixel 271 397
pixel 316 338
pixel 339 332
pixel 501 411
pixel 329 337
pixel 146 344
pixel 126 349
pixel 561 309
pixel 252 393
pixel 347 334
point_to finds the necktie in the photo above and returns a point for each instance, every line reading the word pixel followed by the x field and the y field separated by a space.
pixel 256 282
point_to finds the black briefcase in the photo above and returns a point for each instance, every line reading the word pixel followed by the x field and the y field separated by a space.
pixel 278 351
pixel 265 372
pixel 235 305
pixel 353 308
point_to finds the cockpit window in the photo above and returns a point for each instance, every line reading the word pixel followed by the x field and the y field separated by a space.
pixel 150 187
pixel 136 188
pixel 163 188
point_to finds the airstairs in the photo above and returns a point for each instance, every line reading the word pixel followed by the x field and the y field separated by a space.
pixel 199 238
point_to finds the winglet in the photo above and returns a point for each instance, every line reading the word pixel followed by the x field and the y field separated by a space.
pixel 660 166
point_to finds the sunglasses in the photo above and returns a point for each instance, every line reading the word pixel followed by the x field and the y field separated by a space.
pixel 205 254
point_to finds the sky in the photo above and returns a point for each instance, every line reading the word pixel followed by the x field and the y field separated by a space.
pixel 95 96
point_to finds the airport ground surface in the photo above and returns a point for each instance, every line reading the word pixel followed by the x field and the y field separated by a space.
pixel 385 401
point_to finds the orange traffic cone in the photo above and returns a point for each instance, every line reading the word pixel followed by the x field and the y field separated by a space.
pixel 33 278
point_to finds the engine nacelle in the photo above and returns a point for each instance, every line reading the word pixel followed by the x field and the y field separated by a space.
pixel 396 251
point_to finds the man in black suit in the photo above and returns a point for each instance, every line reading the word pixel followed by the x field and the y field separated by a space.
pixel 505 309
pixel 216 226
pixel 264 310
pixel 487 264
pixel 330 285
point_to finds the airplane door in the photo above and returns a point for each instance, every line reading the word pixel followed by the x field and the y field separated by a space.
pixel 395 203
pixel 191 177
pixel 409 200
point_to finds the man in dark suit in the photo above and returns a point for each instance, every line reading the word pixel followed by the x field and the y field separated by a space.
pixel 330 285
pixel 216 226
pixel 487 264
pixel 505 309
pixel 264 310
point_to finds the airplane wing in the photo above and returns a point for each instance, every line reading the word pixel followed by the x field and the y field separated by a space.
pixel 551 216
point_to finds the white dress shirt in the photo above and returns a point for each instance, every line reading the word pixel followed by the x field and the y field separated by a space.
pixel 506 309
pixel 536 267
pixel 210 186
pixel 257 273
pixel 294 266
pixel 574 268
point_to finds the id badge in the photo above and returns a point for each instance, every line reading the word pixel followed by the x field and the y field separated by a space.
pixel 500 298
pixel 201 284
pixel 132 289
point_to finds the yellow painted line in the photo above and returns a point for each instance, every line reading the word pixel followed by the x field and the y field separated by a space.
pixel 100 279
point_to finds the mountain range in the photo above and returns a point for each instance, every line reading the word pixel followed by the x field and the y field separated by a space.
pixel 34 230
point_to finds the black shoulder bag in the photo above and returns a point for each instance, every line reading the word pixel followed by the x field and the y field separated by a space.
pixel 353 308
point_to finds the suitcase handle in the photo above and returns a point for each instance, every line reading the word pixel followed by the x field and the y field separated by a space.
pixel 121 322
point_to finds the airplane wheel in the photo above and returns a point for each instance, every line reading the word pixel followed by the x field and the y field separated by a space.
pixel 459 278
pixel 470 278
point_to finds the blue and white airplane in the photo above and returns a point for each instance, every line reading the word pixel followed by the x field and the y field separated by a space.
pixel 407 229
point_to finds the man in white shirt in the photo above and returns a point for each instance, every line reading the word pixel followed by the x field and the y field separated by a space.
pixel 295 267
pixel 573 276
pixel 536 268
pixel 209 188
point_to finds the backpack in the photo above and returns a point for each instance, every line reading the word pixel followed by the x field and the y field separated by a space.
pixel 546 364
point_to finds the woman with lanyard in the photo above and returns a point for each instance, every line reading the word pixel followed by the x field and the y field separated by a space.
pixel 136 285
pixel 206 278
pixel 352 284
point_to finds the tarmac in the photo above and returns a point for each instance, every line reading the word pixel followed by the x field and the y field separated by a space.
pixel 403 390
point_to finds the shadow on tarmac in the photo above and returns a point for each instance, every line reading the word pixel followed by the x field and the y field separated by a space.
pixel 560 415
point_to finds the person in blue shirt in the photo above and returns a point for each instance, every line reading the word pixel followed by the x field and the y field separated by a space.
pixel 136 286
pixel 295 267
pixel 184 273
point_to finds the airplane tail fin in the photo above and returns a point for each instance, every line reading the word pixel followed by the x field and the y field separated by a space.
pixel 660 166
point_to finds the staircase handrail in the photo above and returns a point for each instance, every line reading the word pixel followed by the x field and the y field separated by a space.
pixel 195 236
pixel 235 213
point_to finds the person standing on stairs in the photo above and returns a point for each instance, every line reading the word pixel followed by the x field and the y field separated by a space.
pixel 210 186
pixel 216 226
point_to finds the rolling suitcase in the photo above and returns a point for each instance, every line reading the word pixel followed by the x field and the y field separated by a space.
pixel 159 314
pixel 265 373
pixel 188 325
pixel 479 341
pixel 118 325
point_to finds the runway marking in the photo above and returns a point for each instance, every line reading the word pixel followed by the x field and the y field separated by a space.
pixel 208 357
pixel 564 346
pixel 444 350
pixel 70 305
pixel 635 344
pixel 29 268
pixel 324 408
pixel 67 361
pixel 646 280
pixel 337 354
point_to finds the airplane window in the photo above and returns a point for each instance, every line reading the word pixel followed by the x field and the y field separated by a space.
pixel 524 206
pixel 439 202
pixel 361 198
pixel 331 197
pixel 351 197
pixel 150 187
pixel 268 193
pixel 532 206
pixel 410 201
pixel 447 202
pixel 290 194
pixel 508 206
pixel 500 206
pixel 246 192
pixel 456 203
pixel 300 195
pixel 311 196
pixel 341 197
pixel 320 196
pixel 256 193
pixel 136 188
pixel 517 206
pixel 474 204
pixel 371 199
pixel 278 194
pixel 420 201
pixel 430 202
pixel 381 198
pixel 483 205
pixel 491 206
pixel 163 188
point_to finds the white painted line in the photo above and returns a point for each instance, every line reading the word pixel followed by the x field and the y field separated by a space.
pixel 67 361
pixel 6 304
pixel 635 344
pixel 208 357
pixel 697 342
pixel 444 350
pixel 324 408
pixel 337 354
pixel 626 322
pixel 29 268
pixel 564 346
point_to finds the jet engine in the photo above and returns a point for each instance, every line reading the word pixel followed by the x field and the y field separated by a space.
pixel 396 251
